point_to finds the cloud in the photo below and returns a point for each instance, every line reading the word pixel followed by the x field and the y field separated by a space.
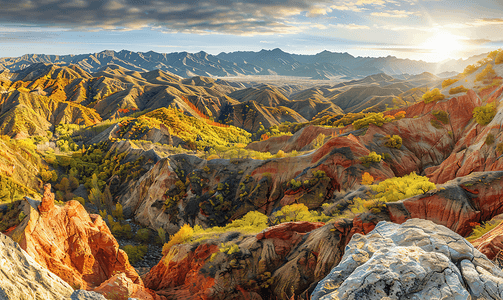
pixel 476 42
pixel 393 14
pixel 318 11
pixel 351 26
pixel 319 26
pixel 488 21
pixel 241 17
pixel 348 7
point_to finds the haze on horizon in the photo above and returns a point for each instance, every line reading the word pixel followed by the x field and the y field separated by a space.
pixel 430 30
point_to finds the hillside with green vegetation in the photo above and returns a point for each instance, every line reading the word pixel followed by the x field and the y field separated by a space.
pixel 170 164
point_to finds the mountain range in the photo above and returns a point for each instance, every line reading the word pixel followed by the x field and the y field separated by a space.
pixel 324 65
pixel 128 183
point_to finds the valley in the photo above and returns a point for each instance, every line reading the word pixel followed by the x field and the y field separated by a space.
pixel 193 176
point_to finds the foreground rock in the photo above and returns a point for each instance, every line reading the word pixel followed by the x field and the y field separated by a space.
pixel 21 277
pixel 281 262
pixel 491 244
pixel 457 204
pixel 76 246
pixel 415 260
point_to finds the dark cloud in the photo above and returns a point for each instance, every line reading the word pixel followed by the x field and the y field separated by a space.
pixel 222 16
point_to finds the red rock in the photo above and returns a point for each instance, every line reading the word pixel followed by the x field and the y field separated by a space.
pixel 286 231
pixel 178 277
pixel 74 245
pixel 456 204
pixel 120 287
pixel 491 243
pixel 47 199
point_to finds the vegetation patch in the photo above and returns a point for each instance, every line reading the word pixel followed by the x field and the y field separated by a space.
pixel 135 253
pixel 394 141
pixel 484 114
pixel 481 229
pixel 441 115
pixel 457 90
pixel 448 82
pixel 433 96
pixel 370 159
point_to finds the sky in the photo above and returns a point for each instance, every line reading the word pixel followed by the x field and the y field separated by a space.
pixel 430 30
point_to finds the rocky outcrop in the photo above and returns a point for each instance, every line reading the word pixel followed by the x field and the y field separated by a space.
pixel 210 193
pixel 491 244
pixel 455 204
pixel 76 246
pixel 22 278
pixel 415 260
pixel 278 263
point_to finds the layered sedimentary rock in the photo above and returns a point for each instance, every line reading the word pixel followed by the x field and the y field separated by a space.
pixel 282 261
pixel 456 204
pixel 76 246
pixel 491 244
pixel 415 260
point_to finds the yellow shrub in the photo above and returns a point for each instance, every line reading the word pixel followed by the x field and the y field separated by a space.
pixel 499 58
pixel 484 114
pixel 367 179
pixel 456 90
pixel 183 235
pixel 433 96
pixel 398 188
pixel 448 82
pixel 487 73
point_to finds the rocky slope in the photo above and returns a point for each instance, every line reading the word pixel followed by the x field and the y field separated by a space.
pixel 280 262
pixel 415 260
pixel 78 248
pixel 24 279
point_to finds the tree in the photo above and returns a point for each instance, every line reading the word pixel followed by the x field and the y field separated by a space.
pixel 367 179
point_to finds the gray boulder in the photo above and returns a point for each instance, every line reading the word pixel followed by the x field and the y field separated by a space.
pixel 415 260
pixel 22 278
pixel 86 295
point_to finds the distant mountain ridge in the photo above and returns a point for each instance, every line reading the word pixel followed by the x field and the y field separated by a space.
pixel 324 65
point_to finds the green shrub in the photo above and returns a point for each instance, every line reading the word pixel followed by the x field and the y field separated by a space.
pixel 135 253
pixel 394 141
pixel 433 96
pixel 489 139
pixel 435 123
pixel 441 115
pixel 162 235
pixel 482 229
pixel 81 200
pixel 499 148
pixel 457 90
pixel 319 140
pixel 143 235
pixel 21 216
pixel 117 213
pixel 484 114
pixel 371 158
pixel 294 184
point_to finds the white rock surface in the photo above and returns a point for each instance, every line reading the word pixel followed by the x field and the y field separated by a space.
pixel 22 278
pixel 415 260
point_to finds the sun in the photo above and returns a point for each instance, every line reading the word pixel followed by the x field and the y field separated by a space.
pixel 443 45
